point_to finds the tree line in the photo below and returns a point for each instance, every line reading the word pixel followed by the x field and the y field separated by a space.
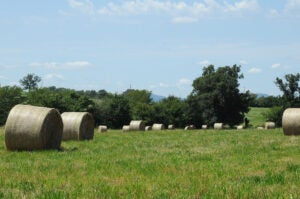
pixel 215 98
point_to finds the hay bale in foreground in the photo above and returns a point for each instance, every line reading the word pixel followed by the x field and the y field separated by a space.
pixel 148 128
pixel 270 125
pixel 158 127
pixel 204 126
pixel 33 128
pixel 78 126
pixel 102 129
pixel 137 125
pixel 218 126
pixel 291 121
pixel 240 127
pixel 126 128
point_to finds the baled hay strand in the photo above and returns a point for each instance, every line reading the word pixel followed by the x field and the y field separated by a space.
pixel 204 126
pixel 158 127
pixel 102 129
pixel 33 128
pixel 148 128
pixel 171 127
pixel 291 121
pixel 240 127
pixel 126 128
pixel 218 126
pixel 78 126
pixel 270 125
pixel 137 125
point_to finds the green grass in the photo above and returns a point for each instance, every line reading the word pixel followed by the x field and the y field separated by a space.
pixel 255 115
pixel 167 164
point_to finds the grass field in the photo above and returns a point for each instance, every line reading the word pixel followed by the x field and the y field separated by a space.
pixel 167 164
pixel 255 115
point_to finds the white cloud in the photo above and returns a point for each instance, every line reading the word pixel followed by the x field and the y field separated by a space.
pixel 54 76
pixel 184 82
pixel 275 65
pixel 185 20
pixel 273 13
pixel 2 77
pixel 84 6
pixel 244 5
pixel 204 63
pixel 243 62
pixel 254 70
pixel 67 65
pixel 159 85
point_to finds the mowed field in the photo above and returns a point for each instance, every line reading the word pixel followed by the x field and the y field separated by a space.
pixel 158 164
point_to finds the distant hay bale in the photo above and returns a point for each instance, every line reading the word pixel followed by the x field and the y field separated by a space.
pixel 148 128
pixel 171 127
pixel 126 128
pixel 189 127
pixel 204 126
pixel 218 126
pixel 291 121
pixel 33 128
pixel 260 128
pixel 137 125
pixel 240 127
pixel 270 125
pixel 78 126
pixel 158 127
pixel 102 129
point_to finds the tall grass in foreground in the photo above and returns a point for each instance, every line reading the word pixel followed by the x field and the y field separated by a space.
pixel 167 164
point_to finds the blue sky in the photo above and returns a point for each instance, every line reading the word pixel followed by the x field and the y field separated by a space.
pixel 160 46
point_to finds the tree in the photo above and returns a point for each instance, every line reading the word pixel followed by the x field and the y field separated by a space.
pixel 216 97
pixel 9 97
pixel 30 81
pixel 290 89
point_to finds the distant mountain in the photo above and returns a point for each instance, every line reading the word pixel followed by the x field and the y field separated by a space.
pixel 259 95
pixel 157 98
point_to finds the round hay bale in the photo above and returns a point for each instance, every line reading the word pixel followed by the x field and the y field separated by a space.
pixel 148 128
pixel 158 127
pixel 291 121
pixel 171 127
pixel 189 127
pixel 126 128
pixel 33 128
pixel 78 126
pixel 102 129
pixel 240 127
pixel 137 125
pixel 270 125
pixel 260 128
pixel 218 126
pixel 204 126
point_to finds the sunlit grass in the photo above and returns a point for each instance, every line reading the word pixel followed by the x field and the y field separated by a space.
pixel 167 164
pixel 255 115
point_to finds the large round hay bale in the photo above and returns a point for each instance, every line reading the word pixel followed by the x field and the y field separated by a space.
pixel 291 121
pixel 148 128
pixel 126 128
pixel 137 125
pixel 102 129
pixel 270 125
pixel 33 128
pixel 78 126
pixel 218 126
pixel 158 127
pixel 171 127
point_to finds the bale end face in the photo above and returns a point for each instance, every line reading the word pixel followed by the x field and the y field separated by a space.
pixel 291 121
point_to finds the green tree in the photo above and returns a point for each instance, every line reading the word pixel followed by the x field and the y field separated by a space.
pixel 30 81
pixel 9 97
pixel 216 97
pixel 290 89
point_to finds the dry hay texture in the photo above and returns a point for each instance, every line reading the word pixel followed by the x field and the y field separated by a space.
pixel 102 129
pixel 291 121
pixel 171 127
pixel 240 127
pixel 137 125
pixel 126 128
pixel 33 128
pixel 218 126
pixel 189 127
pixel 158 127
pixel 148 128
pixel 78 126
pixel 269 125
pixel 204 126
